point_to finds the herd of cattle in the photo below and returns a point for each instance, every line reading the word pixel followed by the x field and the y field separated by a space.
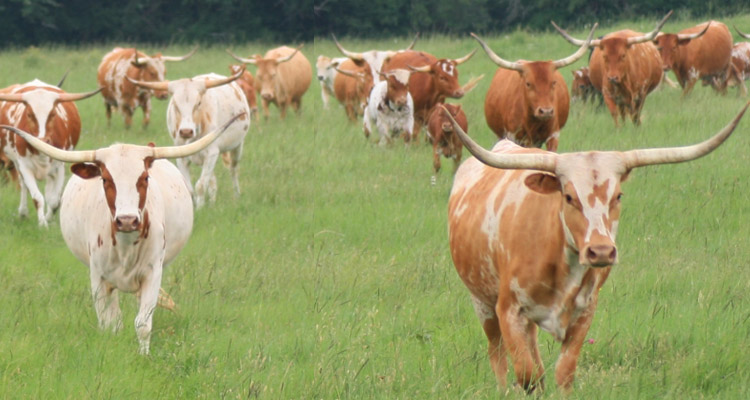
pixel 532 233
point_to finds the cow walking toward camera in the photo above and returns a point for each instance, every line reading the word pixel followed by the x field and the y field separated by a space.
pixel 390 108
pixel 352 87
pixel 445 142
pixel 532 236
pixel 197 105
pixel 119 93
pixel 126 213
pixel 48 113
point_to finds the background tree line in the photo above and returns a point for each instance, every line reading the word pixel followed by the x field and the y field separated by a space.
pixel 36 22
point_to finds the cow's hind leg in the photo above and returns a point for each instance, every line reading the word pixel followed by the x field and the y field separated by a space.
pixel 496 348
pixel 106 302
pixel 232 160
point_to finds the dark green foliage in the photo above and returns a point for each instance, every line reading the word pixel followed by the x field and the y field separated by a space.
pixel 36 22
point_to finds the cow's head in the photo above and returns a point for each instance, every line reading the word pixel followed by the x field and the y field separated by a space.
pixel 39 106
pixel 186 99
pixel 538 78
pixel 444 75
pixel 397 82
pixel 152 68
pixel 326 68
pixel 669 45
pixel 588 185
pixel 267 72
pixel 374 58
pixel 445 123
pixel 124 173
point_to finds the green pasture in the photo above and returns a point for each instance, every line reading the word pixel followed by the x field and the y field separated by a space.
pixel 330 276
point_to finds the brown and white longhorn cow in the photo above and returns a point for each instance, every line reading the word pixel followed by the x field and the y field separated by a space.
pixel 118 92
pixel 437 80
pixel 126 213
pixel 625 67
pixel 532 236
pixel 528 101
pixel 740 64
pixel 247 83
pixel 445 141
pixel 48 113
pixel 196 107
pixel 283 77
pixel 700 52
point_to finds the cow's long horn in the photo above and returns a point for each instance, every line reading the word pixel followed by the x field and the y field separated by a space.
pixel 424 68
pixel 62 80
pixel 289 57
pixel 218 82
pixel 651 35
pixel 471 84
pixel 578 54
pixel 516 66
pixel 465 58
pixel 691 36
pixel 16 97
pixel 413 42
pixel 183 58
pixel 52 151
pixel 538 161
pixel 350 54
pixel 194 147
pixel 670 155
pixel 744 35
pixel 571 39
pixel 348 73
pixel 240 59
pixel 163 85
pixel 77 96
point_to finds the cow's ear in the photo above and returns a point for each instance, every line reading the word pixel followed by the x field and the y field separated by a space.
pixel 85 170
pixel 543 183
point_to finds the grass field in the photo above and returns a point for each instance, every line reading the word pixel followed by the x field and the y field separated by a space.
pixel 330 276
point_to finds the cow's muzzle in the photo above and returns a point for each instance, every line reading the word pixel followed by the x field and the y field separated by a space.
pixel 186 133
pixel 127 223
pixel 544 112
pixel 600 255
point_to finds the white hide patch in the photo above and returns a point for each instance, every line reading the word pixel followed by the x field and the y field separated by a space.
pixel 448 68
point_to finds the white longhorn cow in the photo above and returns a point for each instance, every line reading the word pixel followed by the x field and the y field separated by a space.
pixel 194 110
pixel 126 213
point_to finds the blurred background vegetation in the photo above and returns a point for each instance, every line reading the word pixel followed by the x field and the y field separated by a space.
pixel 71 22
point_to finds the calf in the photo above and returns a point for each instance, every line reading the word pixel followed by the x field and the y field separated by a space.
pixel 444 141
pixel 390 107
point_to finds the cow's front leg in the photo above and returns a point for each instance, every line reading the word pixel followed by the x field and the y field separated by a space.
pixel 571 346
pixel 148 295
pixel 204 182
pixel 515 330
pixel 496 346
pixel 106 302
pixel 146 105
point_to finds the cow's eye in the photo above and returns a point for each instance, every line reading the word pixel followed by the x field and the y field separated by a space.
pixel 569 199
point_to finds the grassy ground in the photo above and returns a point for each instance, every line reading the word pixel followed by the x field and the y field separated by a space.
pixel 330 277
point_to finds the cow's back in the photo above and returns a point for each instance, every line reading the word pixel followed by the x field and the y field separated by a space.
pixel 710 53
pixel 295 74
pixel 492 219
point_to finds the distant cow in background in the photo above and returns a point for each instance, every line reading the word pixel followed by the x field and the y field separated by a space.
pixel 374 58
pixel 445 141
pixel 740 63
pixel 118 92
pixel 625 67
pixel 701 52
pixel 283 76
pixel 528 101
pixel 325 68
pixel 582 89
pixel 247 83
pixel 196 107
pixel 390 107
pixel 352 86
pixel 432 82
pixel 48 113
